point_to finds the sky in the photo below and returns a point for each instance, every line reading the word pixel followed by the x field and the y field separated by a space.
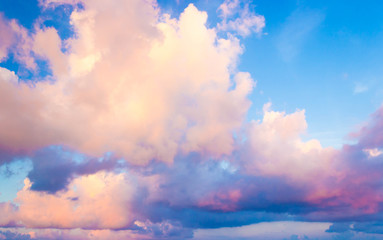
pixel 205 119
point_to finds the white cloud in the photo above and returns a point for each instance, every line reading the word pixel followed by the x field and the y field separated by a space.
pixel 239 19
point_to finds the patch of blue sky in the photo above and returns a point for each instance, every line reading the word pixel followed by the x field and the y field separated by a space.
pixel 13 174
pixel 26 12
pixel 75 156
pixel 59 18
pixel 313 57
pixel 21 71
pixel 42 72
pixel 68 154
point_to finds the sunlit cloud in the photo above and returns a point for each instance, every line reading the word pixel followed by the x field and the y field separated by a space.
pixel 135 127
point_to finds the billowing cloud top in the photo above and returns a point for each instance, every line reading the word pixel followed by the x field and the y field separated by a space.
pixel 133 82
pixel 138 131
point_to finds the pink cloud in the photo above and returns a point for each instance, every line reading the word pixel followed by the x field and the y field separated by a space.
pixel 6 39
pixel 98 201
pixel 146 86
pixel 131 84
pixel 247 23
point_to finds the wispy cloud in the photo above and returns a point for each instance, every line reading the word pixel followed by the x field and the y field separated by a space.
pixel 295 31
pixel 360 88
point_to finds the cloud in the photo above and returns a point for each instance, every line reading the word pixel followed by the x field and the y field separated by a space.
pixel 8 235
pixel 268 230
pixel 152 232
pixel 339 227
pixel 164 94
pixel 7 216
pixel 6 40
pixel 281 133
pixel 373 152
pixel 54 168
pixel 354 229
pixel 131 84
pixel 360 88
pixel 96 201
pixel 198 191
pixel 16 41
pixel 297 28
pixel 247 22
pixel 368 227
pixel 369 135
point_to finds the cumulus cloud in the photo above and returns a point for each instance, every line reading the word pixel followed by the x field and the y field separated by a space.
pixel 275 149
pixel 132 84
pixel 95 201
pixel 164 95
pixel 147 201
pixel 198 191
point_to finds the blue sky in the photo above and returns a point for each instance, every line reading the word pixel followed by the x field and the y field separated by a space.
pixel 321 56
